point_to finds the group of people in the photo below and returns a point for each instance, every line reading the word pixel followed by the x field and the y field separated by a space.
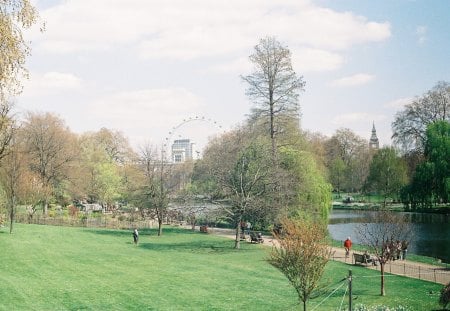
pixel 393 250
pixel 396 250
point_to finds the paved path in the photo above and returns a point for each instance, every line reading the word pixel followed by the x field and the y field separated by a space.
pixel 407 268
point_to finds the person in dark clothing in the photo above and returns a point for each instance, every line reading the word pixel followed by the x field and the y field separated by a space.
pixel 136 236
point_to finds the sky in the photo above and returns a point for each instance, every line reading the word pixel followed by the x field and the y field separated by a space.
pixel 159 70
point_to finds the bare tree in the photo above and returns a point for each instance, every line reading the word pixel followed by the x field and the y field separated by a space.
pixel 273 86
pixel 51 149
pixel 241 168
pixel 153 189
pixel 381 234
pixel 301 254
pixel 410 124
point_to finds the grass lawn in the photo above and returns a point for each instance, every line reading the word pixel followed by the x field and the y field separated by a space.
pixel 63 268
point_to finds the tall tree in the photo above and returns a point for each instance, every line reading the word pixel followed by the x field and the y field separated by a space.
pixel 51 148
pixel 15 16
pixel 431 182
pixel 105 156
pixel 387 173
pixel 273 86
pixel 437 151
pixel 347 160
pixel 10 179
pixel 410 124
pixel 154 184
pixel 301 254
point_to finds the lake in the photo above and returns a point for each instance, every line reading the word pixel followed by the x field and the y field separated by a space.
pixel 431 232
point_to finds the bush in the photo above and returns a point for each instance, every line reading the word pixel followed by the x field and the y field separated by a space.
pixel 444 299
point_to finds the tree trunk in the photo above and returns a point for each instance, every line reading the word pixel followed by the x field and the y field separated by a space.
pixel 160 221
pixel 304 305
pixel 11 217
pixel 383 293
pixel 237 241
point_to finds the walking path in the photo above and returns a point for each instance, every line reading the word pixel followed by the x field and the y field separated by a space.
pixel 407 268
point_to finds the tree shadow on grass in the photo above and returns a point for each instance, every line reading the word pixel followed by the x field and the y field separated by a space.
pixel 142 232
pixel 189 241
pixel 192 247
pixel 217 246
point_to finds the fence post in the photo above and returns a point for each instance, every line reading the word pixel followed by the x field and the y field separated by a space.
pixel 419 274
pixel 434 270
pixel 350 290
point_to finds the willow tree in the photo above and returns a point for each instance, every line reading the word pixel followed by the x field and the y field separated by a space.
pixel 273 86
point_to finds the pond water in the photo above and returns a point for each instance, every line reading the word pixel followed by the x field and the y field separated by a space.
pixel 431 232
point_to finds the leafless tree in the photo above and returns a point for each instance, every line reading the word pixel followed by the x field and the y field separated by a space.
pixel 51 149
pixel 410 124
pixel 381 234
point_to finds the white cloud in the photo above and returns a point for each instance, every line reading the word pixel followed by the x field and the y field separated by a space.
pixel 309 60
pixel 238 66
pixel 399 103
pixel 356 117
pixel 421 33
pixel 51 83
pixel 354 80
pixel 146 108
pixel 186 30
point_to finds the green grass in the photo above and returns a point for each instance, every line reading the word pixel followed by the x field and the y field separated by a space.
pixel 62 268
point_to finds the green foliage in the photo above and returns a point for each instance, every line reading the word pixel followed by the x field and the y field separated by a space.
pixel 312 192
pixel 301 255
pixel 387 173
pixel 431 183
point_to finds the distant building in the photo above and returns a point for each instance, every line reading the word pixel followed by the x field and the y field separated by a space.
pixel 373 142
pixel 182 150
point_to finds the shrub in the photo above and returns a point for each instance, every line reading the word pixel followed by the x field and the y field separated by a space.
pixel 444 299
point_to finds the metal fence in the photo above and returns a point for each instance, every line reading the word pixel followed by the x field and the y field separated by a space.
pixel 419 271
pixel 90 222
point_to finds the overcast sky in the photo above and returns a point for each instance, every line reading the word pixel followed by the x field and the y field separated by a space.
pixel 144 66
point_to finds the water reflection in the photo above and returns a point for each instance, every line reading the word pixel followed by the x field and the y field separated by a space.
pixel 431 232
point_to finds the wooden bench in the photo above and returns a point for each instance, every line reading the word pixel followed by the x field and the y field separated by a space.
pixel 362 259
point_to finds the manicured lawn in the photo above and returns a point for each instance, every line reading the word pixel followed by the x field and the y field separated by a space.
pixel 62 268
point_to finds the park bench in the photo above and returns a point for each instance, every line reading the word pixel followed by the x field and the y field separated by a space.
pixel 362 259
pixel 255 238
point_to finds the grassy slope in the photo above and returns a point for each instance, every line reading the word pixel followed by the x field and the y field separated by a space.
pixel 60 268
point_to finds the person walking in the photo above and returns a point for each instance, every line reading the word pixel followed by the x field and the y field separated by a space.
pixel 347 246
pixel 136 236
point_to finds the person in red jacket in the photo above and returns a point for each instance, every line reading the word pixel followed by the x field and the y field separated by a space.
pixel 347 246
